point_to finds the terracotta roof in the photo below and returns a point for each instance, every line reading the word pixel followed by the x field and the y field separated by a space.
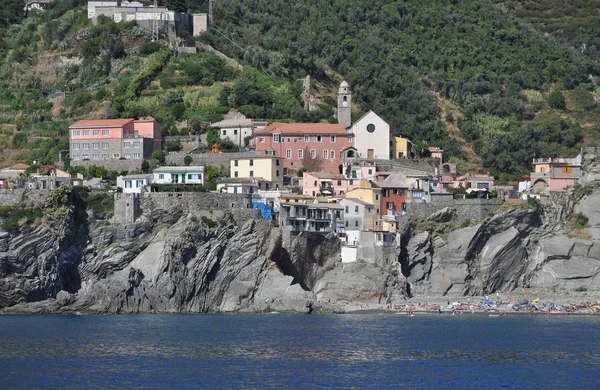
pixel 101 123
pixel 326 175
pixel 19 166
pixel 305 128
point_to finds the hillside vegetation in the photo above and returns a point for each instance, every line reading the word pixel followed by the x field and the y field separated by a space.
pixel 463 75
pixel 496 70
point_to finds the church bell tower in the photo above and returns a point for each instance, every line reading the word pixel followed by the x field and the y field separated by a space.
pixel 344 106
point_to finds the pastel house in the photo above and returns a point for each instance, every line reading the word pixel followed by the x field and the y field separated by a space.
pixel 133 184
pixel 266 171
pixel 179 175
pixel 555 174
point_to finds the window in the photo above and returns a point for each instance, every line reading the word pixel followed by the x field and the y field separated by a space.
pixel 85 157
pixel 86 145
pixel 356 223
pixel 370 171
pixel 300 153
pixel 95 157
pixel 95 145
pixel 161 175
pixel 295 139
pixel 251 163
pixel 325 154
pixel 224 132
pixel 140 183
pixel 276 138
pixel 332 139
pixel 319 138
pixel 277 172
pixel 190 176
pixel 277 161
pixel 288 153
pixel 105 145
pixel 377 211
pixel 235 163
pixel 355 209
pixel 354 173
pixel 116 155
pixel 127 183
pixel 313 154
pixel 235 173
pixel 332 156
pixel 346 223
pixel 339 182
pixel 251 173
pixel 289 140
pixel 136 155
pixel 75 146
pixel 127 156
pixel 377 197
pixel 417 194
pixel 307 138
pixel 351 182
pixel 315 183
pixel 76 157
pixel 389 205
pixel 105 156
pixel 127 144
pixel 347 209
pixel 234 131
pixel 349 138
pixel 261 140
pixel 76 133
pixel 567 169
pixel 283 140
pixel 86 133
pixel 105 132
pixel 95 132
pixel 136 144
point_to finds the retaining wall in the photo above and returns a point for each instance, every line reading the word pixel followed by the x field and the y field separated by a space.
pixel 473 209
pixel 13 197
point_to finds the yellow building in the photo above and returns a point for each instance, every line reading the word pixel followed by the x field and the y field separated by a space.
pixel 400 147
pixel 371 193
pixel 267 170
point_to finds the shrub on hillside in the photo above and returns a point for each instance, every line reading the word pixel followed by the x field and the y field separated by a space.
pixel 556 100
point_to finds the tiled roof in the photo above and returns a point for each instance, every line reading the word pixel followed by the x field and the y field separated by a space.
pixel 19 166
pixel 305 128
pixel 233 122
pixel 168 169
pixel 138 176
pixel 326 175
pixel 101 123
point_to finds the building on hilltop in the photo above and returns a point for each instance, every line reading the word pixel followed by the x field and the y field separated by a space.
pixel 238 129
pixel 371 137
pixel 555 174
pixel 113 139
pixel 321 145
pixel 40 5
pixel 167 21
pixel 401 148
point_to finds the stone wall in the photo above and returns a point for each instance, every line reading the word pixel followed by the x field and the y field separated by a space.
pixel 129 207
pixel 13 197
pixel 111 165
pixel 207 158
pixel 473 209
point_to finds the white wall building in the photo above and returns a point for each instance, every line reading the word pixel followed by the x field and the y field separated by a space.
pixel 235 130
pixel 179 175
pixel 372 137
pixel 133 184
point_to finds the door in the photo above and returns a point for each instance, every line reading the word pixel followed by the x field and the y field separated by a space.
pixel 369 153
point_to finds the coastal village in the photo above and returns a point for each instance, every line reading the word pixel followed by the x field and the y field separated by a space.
pixel 358 180
pixel 352 179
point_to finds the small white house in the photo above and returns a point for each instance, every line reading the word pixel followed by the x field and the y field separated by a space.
pixel 235 130
pixel 372 137
pixel 179 175
pixel 238 185
pixel 133 184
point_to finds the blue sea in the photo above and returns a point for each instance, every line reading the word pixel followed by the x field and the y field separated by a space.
pixel 281 351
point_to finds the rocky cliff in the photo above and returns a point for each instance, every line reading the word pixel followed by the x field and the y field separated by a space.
pixel 69 264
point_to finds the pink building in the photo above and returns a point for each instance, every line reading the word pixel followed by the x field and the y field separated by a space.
pixel 326 183
pixel 436 152
pixel 321 141
pixel 555 174
pixel 114 139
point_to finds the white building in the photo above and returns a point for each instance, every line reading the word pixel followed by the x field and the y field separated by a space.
pixel 179 175
pixel 235 130
pixel 372 137
pixel 238 185
pixel 133 184
pixel 39 5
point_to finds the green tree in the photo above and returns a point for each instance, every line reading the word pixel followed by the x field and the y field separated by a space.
pixel 187 160
pixel 556 100
pixel 159 156
pixel 145 166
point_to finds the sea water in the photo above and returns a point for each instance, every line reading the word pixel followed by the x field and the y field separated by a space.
pixel 299 351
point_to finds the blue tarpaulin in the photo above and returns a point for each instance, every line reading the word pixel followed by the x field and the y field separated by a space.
pixel 264 210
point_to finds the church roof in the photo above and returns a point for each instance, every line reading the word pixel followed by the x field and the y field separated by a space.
pixel 344 84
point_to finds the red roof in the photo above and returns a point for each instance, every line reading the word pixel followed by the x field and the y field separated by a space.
pixel 101 123
pixel 304 128
pixel 19 166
